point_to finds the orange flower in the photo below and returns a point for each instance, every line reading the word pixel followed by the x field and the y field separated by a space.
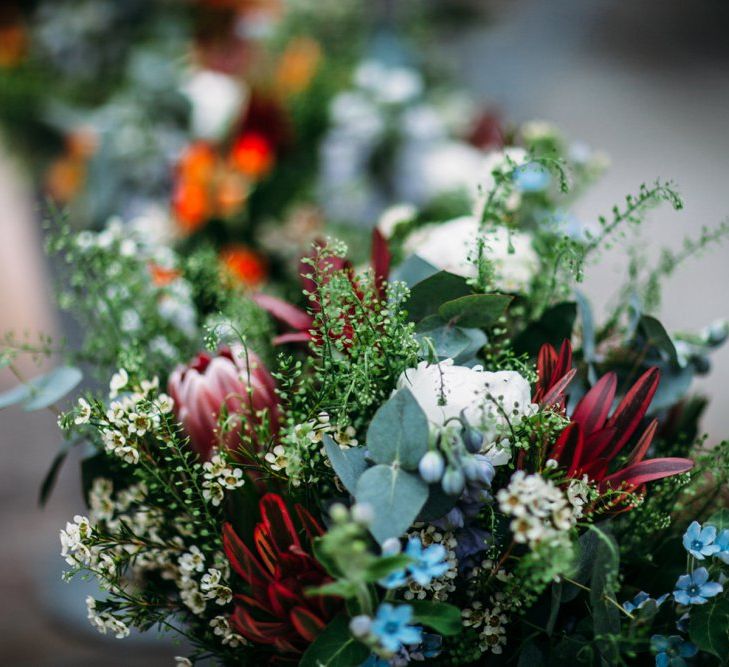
pixel 252 155
pixel 298 65
pixel 191 201
pixel 162 276
pixel 244 264
pixel 231 193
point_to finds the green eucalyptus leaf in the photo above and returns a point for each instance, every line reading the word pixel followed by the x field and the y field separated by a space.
pixel 335 647
pixel 427 295
pixel 49 481
pixel 709 627
pixel 15 395
pixel 475 310
pixel 413 270
pixel 439 503
pixel 399 432
pixel 554 326
pixel 444 618
pixel 396 498
pixel 51 387
pixel 656 335
pixel 349 464
pixel 448 340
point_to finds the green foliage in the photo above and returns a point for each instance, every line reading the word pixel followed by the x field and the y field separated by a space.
pixel 709 627
pixel 444 618
pixel 335 647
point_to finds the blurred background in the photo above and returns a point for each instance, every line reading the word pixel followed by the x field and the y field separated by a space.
pixel 646 82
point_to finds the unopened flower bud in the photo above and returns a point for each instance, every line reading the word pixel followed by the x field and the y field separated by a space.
pixel 338 512
pixel 391 546
pixel 453 482
pixel 431 467
pixel 360 626
pixel 363 513
pixel 473 440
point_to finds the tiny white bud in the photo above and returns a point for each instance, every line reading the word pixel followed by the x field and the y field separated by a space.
pixel 360 626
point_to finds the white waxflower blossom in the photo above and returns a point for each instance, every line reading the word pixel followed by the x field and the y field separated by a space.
pixel 213 492
pixel 165 403
pixel 83 412
pixel 489 401
pixel 277 458
pixel 453 246
pixel 128 454
pixel 182 661
pixel 193 561
pixel 73 538
pixel 214 468
pixel 118 381
pixel 193 599
pixel 232 478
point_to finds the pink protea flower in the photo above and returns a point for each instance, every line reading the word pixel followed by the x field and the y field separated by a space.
pixel 235 379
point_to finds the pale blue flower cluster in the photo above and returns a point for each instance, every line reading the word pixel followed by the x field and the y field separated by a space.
pixel 428 563
pixel 703 542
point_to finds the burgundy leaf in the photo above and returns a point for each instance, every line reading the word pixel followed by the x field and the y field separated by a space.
pixel 381 258
pixel 555 395
pixel 647 471
pixel 593 408
pixel 632 408
pixel 644 443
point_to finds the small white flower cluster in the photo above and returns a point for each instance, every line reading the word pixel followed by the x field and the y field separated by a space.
pixel 133 415
pixel 491 623
pixel 541 511
pixel 211 586
pixel 441 587
pixel 221 628
pixel 75 541
pixel 219 476
pixel 105 622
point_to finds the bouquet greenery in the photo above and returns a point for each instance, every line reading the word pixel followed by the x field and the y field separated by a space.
pixel 442 457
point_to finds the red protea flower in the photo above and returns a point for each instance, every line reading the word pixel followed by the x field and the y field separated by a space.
pixel 299 320
pixel 275 610
pixel 235 379
pixel 594 438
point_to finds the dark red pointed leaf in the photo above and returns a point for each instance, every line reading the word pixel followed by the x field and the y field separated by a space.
pixel 596 445
pixel 568 448
pixel 555 395
pixel 546 362
pixel 381 258
pixel 632 409
pixel 306 623
pixel 641 449
pixel 564 360
pixel 647 471
pixel 278 523
pixel 594 407
pixel 241 559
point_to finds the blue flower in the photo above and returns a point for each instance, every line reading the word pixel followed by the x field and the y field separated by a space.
pixel 700 542
pixel 671 651
pixel 695 588
pixel 428 564
pixel 640 600
pixel 392 629
pixel 723 543
pixel 531 177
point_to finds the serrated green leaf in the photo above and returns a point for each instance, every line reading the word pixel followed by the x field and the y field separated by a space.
pixel 709 627
pixel 442 617
pixel 349 464
pixel 399 432
pixel 396 498
pixel 335 647
pixel 475 310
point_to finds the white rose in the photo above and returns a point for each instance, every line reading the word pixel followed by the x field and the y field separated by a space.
pixel 489 401
pixel 394 216
pixel 452 246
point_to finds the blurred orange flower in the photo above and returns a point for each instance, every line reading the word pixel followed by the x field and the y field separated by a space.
pixel 298 65
pixel 244 265
pixel 252 155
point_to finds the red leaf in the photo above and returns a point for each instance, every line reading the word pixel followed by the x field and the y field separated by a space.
pixel 568 448
pixel 546 361
pixel 555 396
pixel 594 406
pixel 284 311
pixel 278 523
pixel 298 337
pixel 632 409
pixel 381 258
pixel 242 560
pixel 596 444
pixel 644 443
pixel 309 523
pixel 564 361
pixel 306 623
pixel 281 598
pixel 647 471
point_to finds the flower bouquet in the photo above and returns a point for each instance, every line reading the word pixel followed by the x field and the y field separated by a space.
pixel 442 457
